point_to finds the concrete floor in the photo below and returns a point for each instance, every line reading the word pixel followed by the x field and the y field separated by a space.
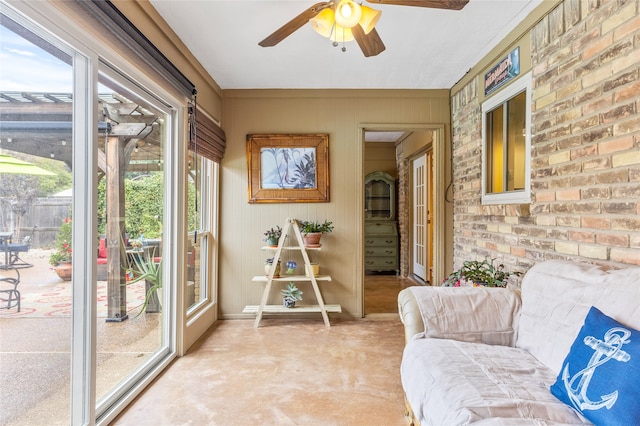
pixel 288 371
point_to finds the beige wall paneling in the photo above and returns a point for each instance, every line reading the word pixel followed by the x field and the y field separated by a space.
pixel 341 114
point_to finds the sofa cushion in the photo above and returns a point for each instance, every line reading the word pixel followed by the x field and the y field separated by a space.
pixel 600 374
pixel 556 296
pixel 449 382
pixel 102 250
pixel 470 314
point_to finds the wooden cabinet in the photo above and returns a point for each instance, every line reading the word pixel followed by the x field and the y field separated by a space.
pixel 379 196
pixel 381 227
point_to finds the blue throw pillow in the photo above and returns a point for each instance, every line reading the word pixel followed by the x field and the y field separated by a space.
pixel 600 377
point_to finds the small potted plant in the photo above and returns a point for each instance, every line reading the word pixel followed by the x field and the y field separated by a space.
pixel 290 295
pixel 291 267
pixel 272 236
pixel 312 231
pixel 267 268
pixel 479 273
pixel 60 259
pixel 147 268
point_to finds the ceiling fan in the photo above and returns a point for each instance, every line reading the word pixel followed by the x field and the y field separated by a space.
pixel 346 20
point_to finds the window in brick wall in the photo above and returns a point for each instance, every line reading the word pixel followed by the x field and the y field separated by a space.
pixel 506 155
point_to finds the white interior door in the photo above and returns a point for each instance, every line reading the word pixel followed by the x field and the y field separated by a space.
pixel 420 217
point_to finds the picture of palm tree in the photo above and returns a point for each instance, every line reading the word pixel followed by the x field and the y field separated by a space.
pixel 288 168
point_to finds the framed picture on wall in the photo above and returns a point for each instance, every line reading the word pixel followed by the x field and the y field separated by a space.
pixel 288 168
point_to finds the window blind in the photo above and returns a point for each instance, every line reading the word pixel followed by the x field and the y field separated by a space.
pixel 117 24
pixel 210 140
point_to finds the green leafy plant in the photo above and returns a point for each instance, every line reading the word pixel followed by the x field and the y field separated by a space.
pixel 478 272
pixel 64 251
pixel 145 268
pixel 272 235
pixel 309 227
pixel 291 293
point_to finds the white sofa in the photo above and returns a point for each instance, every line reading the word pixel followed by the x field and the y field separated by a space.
pixel 490 355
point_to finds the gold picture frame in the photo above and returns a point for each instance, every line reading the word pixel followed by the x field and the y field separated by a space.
pixel 288 168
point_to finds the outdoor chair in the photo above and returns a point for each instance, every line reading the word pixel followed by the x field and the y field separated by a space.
pixel 22 247
pixel 9 294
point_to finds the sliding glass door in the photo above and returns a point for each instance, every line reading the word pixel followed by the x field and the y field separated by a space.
pixel 100 196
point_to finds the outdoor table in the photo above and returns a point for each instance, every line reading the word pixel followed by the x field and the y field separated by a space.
pixel 5 239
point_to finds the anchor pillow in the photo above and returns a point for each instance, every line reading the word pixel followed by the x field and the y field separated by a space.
pixel 600 377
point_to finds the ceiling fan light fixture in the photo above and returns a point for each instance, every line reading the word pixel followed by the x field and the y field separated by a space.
pixel 369 18
pixel 322 23
pixel 348 13
pixel 341 34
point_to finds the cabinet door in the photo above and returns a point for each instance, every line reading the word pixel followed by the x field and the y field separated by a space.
pixel 379 201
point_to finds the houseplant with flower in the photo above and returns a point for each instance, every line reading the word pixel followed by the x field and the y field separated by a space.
pixel 272 236
pixel 63 251
pixel 479 273
pixel 61 257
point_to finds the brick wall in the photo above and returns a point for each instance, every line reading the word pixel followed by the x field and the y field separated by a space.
pixel 585 178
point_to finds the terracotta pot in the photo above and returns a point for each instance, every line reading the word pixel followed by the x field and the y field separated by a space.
pixel 312 239
pixel 63 269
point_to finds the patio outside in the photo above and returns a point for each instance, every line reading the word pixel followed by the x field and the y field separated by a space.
pixel 36 342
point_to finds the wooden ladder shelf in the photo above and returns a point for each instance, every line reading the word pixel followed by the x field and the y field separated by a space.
pixel 259 310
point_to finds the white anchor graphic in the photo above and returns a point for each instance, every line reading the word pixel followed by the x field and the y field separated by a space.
pixel 610 348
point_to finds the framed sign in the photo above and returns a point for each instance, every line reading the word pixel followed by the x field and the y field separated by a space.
pixel 505 70
pixel 291 168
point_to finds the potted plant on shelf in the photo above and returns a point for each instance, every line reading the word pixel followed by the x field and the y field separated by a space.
pixel 479 273
pixel 312 231
pixel 267 267
pixel 61 258
pixel 272 236
pixel 290 295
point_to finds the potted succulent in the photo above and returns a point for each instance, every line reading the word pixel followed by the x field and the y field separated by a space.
pixel 267 267
pixel 61 258
pixel 290 295
pixel 312 231
pixel 148 269
pixel 479 273
pixel 272 236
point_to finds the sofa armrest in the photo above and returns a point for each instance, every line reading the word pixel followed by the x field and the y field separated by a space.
pixel 409 314
pixel 470 314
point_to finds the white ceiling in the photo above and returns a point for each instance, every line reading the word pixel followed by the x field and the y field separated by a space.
pixel 425 48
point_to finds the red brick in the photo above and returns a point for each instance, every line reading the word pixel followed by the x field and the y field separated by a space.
pixel 619 240
pixel 615 145
pixel 596 222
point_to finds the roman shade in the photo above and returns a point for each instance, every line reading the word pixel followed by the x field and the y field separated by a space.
pixel 208 139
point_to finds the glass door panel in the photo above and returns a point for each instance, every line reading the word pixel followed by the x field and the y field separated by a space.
pixel 132 300
pixel 36 104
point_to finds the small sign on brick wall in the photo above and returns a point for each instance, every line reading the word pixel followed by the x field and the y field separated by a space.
pixel 505 70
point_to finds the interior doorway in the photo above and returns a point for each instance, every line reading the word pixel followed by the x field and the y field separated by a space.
pixel 410 154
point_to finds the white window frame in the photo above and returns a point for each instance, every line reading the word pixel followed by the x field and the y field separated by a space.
pixel 523 84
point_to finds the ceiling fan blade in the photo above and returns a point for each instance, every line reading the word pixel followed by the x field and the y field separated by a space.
pixel 293 25
pixel 436 4
pixel 371 44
